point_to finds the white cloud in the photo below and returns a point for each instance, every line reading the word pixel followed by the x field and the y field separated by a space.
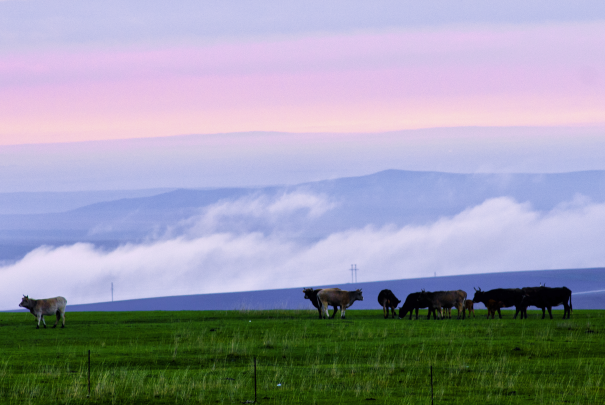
pixel 498 235
pixel 256 213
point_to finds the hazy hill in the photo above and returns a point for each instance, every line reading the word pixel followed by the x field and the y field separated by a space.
pixel 388 197
pixel 587 285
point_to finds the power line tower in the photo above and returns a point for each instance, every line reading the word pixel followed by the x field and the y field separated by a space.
pixel 353 273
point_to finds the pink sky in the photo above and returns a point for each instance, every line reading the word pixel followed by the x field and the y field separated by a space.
pixel 497 75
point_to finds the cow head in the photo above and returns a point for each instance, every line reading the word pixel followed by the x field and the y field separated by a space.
pixel 26 302
pixel 309 293
pixel 356 295
pixel 478 295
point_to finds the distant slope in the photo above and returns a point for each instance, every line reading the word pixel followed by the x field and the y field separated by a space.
pixel 391 197
pixel 583 283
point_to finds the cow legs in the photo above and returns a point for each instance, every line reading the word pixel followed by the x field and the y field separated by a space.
pixel 342 312
pixel 499 313
pixel 393 311
pixel 335 311
pixel 550 312
pixel 319 310
pixel 543 313
pixel 60 316
pixel 385 311
pixel 41 318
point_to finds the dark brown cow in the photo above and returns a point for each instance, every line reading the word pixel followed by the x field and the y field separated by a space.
pixel 443 299
pixel 508 296
pixel 470 307
pixel 492 307
pixel 48 306
pixel 311 295
pixel 387 300
pixel 547 297
pixel 334 296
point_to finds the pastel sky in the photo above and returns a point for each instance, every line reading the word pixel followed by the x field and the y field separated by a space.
pixel 80 71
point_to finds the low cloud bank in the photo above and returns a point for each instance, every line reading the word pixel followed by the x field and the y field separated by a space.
pixel 497 235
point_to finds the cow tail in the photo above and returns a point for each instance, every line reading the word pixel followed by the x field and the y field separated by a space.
pixel 319 303
pixel 570 307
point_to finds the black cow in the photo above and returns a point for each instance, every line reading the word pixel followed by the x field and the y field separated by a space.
pixel 547 297
pixel 311 295
pixel 411 303
pixel 387 300
pixel 505 297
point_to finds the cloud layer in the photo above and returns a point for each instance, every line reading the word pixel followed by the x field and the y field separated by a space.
pixel 497 235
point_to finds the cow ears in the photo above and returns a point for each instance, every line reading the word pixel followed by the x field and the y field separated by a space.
pixel 422 290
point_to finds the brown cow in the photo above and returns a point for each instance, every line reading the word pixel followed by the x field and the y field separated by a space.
pixel 493 306
pixel 334 296
pixel 311 295
pixel 470 307
pixel 387 300
pixel 48 306
pixel 443 299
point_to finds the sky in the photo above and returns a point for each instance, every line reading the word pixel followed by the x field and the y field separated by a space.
pixel 119 95
pixel 73 71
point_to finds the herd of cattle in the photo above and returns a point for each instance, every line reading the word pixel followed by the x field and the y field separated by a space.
pixel 442 302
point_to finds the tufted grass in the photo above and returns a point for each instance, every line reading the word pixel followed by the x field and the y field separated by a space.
pixel 207 357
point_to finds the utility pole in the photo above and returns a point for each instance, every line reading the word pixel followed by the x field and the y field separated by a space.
pixel 353 273
pixel 112 291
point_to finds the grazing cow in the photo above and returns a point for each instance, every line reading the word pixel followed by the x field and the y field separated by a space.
pixel 411 303
pixel 336 297
pixel 311 295
pixel 470 307
pixel 548 297
pixel 387 300
pixel 492 307
pixel 49 306
pixel 443 299
pixel 508 296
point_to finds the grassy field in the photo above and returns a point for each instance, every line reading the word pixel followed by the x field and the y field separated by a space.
pixel 207 357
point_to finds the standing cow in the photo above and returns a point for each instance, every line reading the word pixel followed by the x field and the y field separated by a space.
pixel 507 296
pixel 48 306
pixel 492 307
pixel 443 299
pixel 411 303
pixel 470 307
pixel 311 295
pixel 546 298
pixel 336 297
pixel 387 300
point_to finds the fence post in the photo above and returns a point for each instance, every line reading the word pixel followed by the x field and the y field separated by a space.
pixel 89 372
pixel 431 385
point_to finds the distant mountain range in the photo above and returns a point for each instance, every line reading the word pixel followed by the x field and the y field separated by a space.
pixel 391 197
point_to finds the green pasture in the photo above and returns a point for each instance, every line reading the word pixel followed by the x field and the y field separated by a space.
pixel 208 357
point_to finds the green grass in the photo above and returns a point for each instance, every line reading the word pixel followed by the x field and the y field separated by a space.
pixel 207 357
